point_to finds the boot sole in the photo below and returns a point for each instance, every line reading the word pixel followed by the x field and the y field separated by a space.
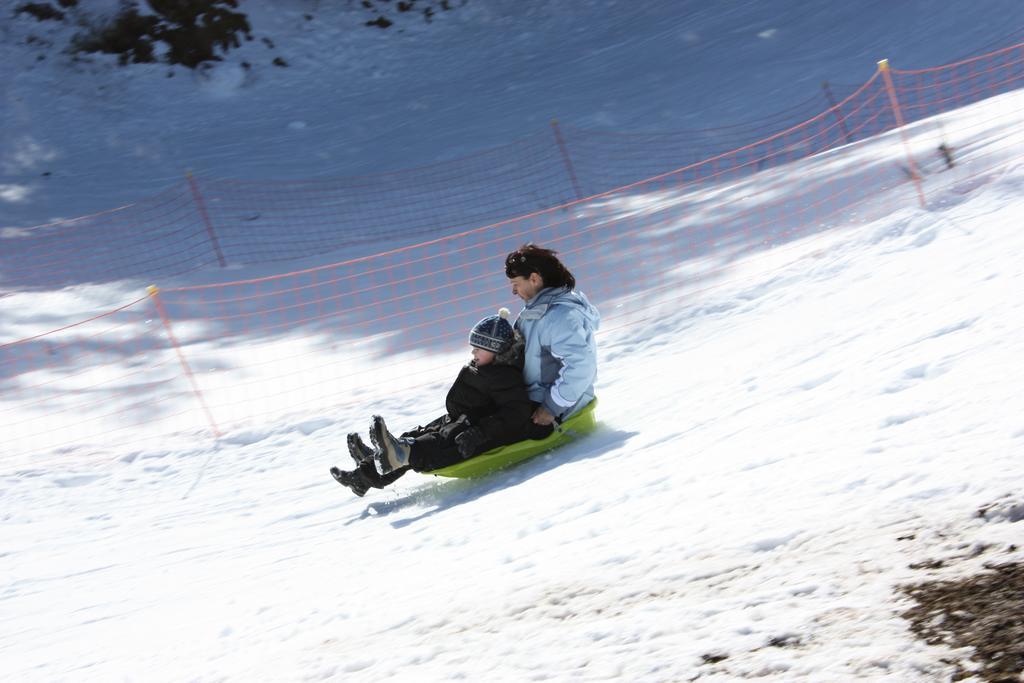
pixel 356 450
pixel 339 476
pixel 380 458
pixel 385 454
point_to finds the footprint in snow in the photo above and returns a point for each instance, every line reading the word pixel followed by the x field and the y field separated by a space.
pixel 77 480
pixel 913 375
pixel 818 381
pixel 954 327
pixel 896 420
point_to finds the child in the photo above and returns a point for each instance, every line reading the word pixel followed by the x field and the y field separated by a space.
pixel 487 407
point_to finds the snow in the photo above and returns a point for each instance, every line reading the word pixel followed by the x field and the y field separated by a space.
pixel 778 449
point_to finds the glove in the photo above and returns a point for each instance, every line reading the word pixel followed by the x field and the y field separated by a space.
pixel 469 442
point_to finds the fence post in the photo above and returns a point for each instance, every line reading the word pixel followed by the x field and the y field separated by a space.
pixel 154 294
pixel 883 67
pixel 206 217
pixel 835 109
pixel 566 159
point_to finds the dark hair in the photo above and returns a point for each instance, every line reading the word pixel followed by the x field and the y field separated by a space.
pixel 530 258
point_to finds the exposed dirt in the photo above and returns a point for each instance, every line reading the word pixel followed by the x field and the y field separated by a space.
pixel 984 612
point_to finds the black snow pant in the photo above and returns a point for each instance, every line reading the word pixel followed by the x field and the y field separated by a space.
pixel 434 447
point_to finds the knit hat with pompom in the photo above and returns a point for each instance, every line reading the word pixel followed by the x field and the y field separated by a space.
pixel 493 333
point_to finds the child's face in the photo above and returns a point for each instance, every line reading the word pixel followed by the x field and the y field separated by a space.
pixel 482 357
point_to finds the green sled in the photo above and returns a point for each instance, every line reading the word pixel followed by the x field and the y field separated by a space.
pixel 579 424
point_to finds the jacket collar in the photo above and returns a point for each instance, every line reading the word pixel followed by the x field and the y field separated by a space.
pixel 535 308
pixel 545 296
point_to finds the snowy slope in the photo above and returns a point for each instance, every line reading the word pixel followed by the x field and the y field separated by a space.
pixel 745 510
pixel 777 452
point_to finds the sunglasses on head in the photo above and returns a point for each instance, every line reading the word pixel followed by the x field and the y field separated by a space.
pixel 517 265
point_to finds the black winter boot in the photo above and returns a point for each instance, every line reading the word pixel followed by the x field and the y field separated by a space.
pixel 366 477
pixel 359 451
pixel 356 480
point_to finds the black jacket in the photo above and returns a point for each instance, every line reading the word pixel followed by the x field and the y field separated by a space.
pixel 494 398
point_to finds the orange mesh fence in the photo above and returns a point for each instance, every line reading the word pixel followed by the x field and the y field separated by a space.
pixel 223 358
pixel 111 380
pixel 947 133
pixel 164 235
pixel 211 222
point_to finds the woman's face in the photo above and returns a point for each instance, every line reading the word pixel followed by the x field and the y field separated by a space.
pixel 526 287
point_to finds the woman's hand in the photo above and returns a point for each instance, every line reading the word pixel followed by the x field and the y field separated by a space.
pixel 542 417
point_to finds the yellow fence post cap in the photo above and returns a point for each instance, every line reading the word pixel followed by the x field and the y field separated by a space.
pixel 883 65
pixel 152 290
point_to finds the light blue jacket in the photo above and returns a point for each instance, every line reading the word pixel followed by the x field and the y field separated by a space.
pixel 560 360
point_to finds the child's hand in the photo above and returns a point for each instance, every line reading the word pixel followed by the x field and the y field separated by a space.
pixel 469 441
